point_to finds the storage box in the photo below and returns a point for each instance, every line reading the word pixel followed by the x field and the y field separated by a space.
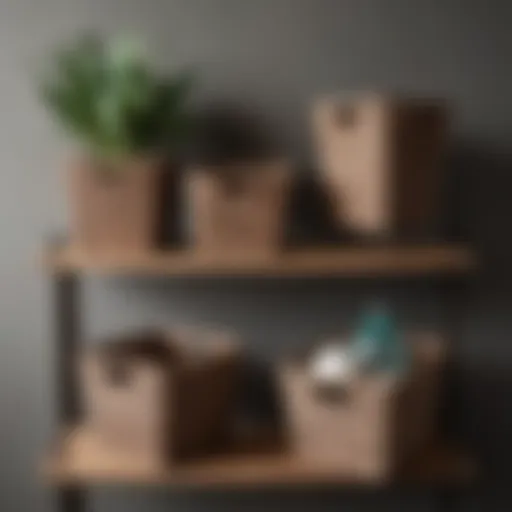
pixel 381 158
pixel 239 209
pixel 115 207
pixel 378 426
pixel 161 397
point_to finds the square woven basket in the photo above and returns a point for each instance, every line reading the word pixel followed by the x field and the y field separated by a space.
pixel 240 209
pixel 379 425
pixel 161 396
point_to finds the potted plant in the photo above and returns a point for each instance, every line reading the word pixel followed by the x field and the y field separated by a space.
pixel 125 118
pixel 237 189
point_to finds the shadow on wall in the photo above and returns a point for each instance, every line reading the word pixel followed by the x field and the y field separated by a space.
pixel 479 209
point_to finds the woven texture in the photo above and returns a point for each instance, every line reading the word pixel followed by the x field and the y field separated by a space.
pixel 381 161
pixel 378 425
pixel 152 395
pixel 115 210
pixel 239 209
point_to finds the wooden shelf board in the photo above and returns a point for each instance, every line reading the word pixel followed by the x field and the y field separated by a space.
pixel 320 262
pixel 80 460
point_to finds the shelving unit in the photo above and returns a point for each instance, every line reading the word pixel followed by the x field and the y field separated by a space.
pixel 78 461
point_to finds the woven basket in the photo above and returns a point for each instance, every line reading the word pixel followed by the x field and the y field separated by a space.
pixel 240 209
pixel 377 427
pixel 161 397
pixel 115 209
pixel 381 160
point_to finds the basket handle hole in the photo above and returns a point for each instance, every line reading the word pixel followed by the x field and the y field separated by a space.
pixel 118 375
pixel 331 395
pixel 345 117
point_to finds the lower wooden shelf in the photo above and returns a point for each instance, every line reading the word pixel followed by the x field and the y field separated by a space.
pixel 78 459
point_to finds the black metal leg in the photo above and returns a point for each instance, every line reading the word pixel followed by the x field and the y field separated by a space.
pixel 67 339
pixel 67 335
pixel 71 500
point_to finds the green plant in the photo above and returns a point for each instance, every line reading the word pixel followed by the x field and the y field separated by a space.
pixel 107 95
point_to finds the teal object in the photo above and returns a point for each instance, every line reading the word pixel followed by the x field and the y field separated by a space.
pixel 378 345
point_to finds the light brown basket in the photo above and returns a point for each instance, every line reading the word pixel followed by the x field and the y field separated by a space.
pixel 378 426
pixel 115 209
pixel 239 209
pixel 381 158
pixel 162 397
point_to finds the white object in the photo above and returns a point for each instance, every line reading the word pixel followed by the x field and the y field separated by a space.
pixel 332 366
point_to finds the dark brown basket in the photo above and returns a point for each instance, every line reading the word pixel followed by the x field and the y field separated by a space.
pixel 381 159
pixel 239 209
pixel 161 397
pixel 379 425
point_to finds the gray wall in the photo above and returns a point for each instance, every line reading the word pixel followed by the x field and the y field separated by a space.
pixel 277 54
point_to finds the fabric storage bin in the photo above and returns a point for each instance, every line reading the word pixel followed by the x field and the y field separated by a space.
pixel 381 159
pixel 377 427
pixel 160 397
pixel 239 208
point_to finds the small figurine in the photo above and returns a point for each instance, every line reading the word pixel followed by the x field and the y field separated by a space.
pixel 377 345
pixel 332 368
